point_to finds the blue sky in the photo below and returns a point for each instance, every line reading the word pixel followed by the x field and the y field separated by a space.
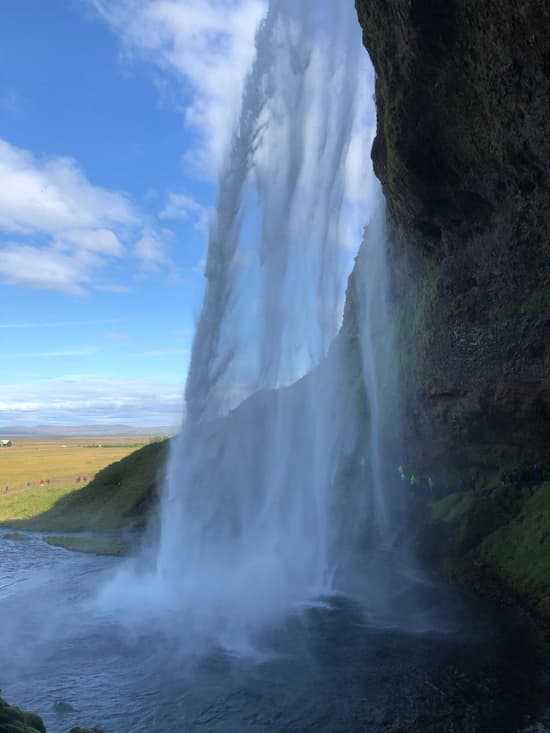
pixel 114 119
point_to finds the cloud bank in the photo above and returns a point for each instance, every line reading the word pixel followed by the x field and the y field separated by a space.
pixel 58 230
pixel 92 399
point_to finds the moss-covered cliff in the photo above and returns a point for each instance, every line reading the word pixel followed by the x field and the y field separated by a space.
pixel 463 150
pixel 15 720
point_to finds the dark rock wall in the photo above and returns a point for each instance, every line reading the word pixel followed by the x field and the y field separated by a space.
pixel 463 154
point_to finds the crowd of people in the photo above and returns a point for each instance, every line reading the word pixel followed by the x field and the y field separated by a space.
pixel 520 477
pixel 46 482
pixel 525 477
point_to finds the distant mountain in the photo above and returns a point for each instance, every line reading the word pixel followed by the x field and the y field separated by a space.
pixel 10 431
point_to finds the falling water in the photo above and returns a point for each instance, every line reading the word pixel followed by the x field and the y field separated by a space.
pixel 278 477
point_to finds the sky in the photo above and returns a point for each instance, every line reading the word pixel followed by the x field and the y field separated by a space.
pixel 114 119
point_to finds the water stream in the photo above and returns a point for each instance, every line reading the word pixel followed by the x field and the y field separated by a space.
pixel 327 670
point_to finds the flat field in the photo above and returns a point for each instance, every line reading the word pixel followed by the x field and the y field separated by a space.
pixel 62 464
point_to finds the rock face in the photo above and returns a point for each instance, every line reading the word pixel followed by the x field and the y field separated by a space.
pixel 463 154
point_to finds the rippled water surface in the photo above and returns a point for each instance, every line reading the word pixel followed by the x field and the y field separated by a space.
pixel 325 669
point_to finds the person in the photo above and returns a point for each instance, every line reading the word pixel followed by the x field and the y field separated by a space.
pixel 503 478
pixel 401 472
pixel 430 485
pixel 41 482
pixel 412 481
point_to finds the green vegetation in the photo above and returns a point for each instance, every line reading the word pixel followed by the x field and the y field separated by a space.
pixel 16 536
pixel 538 301
pixel 36 473
pixel 92 545
pixel 519 551
pixel 15 720
pixel 121 495
pixel 412 326
pixel 501 535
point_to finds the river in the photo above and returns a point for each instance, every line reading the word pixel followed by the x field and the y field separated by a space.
pixel 325 669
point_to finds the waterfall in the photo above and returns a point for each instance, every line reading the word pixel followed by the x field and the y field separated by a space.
pixel 279 476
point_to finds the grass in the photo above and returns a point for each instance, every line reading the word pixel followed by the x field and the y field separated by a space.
pixel 520 550
pixel 58 463
pixel 93 545
pixel 503 530
pixel 453 507
pixel 120 496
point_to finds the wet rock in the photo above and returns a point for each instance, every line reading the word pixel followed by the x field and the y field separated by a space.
pixel 60 706
pixel 462 150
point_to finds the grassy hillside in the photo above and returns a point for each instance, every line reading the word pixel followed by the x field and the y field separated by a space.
pixel 63 465
pixel 503 530
pixel 120 495
pixel 519 551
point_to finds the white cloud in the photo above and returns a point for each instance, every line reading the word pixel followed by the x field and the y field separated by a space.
pixel 181 206
pixel 88 399
pixel 62 353
pixel 46 268
pixel 102 241
pixel 53 196
pixel 56 228
pixel 58 231
pixel 151 249
pixel 58 324
pixel 207 44
pixel 113 288
pixel 200 266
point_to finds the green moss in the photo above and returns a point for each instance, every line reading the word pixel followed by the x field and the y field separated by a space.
pixel 519 551
pixel 92 545
pixel 460 521
pixel 538 301
pixel 34 721
pixel 121 495
pixel 16 536
pixel 15 720
pixel 412 319
pixel 453 507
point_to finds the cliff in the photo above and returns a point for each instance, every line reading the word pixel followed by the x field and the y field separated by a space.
pixel 463 150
